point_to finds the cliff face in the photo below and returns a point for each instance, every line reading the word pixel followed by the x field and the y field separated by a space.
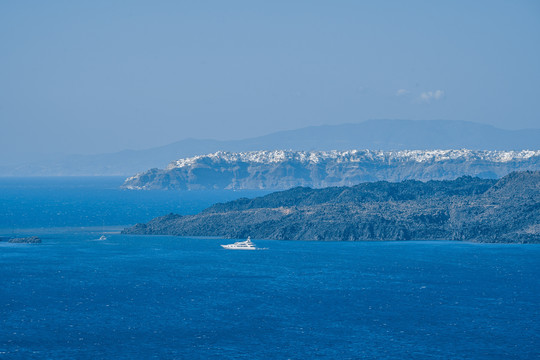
pixel 318 169
pixel 471 209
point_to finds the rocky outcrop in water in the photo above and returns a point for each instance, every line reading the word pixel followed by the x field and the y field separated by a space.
pixel 287 169
pixel 25 240
pixel 469 209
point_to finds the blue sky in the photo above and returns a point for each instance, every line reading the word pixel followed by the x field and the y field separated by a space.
pixel 100 76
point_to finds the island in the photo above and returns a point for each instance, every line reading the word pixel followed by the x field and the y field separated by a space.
pixel 506 210
pixel 25 240
pixel 285 169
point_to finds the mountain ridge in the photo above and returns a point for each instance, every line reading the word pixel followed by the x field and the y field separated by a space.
pixel 280 169
pixel 380 134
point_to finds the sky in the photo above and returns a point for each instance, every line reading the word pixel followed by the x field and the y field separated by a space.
pixel 90 77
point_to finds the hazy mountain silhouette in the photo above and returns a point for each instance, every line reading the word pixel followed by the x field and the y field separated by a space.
pixel 371 134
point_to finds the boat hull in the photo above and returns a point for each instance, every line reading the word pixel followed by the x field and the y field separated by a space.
pixel 237 248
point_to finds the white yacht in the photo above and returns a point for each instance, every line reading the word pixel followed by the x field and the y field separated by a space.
pixel 241 245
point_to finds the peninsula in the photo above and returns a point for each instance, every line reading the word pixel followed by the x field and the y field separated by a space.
pixel 285 169
pixel 466 209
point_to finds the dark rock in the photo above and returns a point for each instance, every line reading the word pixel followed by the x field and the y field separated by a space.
pixel 472 209
pixel 26 240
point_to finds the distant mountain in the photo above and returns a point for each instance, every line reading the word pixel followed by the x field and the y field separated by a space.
pixel 469 209
pixel 373 135
pixel 281 169
pixel 401 135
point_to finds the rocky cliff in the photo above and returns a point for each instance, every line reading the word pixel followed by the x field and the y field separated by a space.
pixel 468 208
pixel 286 169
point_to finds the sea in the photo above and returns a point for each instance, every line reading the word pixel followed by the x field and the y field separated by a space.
pixel 163 297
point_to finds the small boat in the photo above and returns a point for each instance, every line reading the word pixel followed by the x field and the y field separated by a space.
pixel 103 237
pixel 241 245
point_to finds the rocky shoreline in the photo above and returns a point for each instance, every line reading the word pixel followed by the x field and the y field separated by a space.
pixel 465 209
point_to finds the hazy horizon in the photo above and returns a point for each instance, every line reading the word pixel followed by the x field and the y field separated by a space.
pixel 58 155
pixel 101 77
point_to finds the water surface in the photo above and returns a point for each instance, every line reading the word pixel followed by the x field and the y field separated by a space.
pixel 143 297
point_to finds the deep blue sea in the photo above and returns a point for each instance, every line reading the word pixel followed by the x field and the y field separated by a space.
pixel 163 297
